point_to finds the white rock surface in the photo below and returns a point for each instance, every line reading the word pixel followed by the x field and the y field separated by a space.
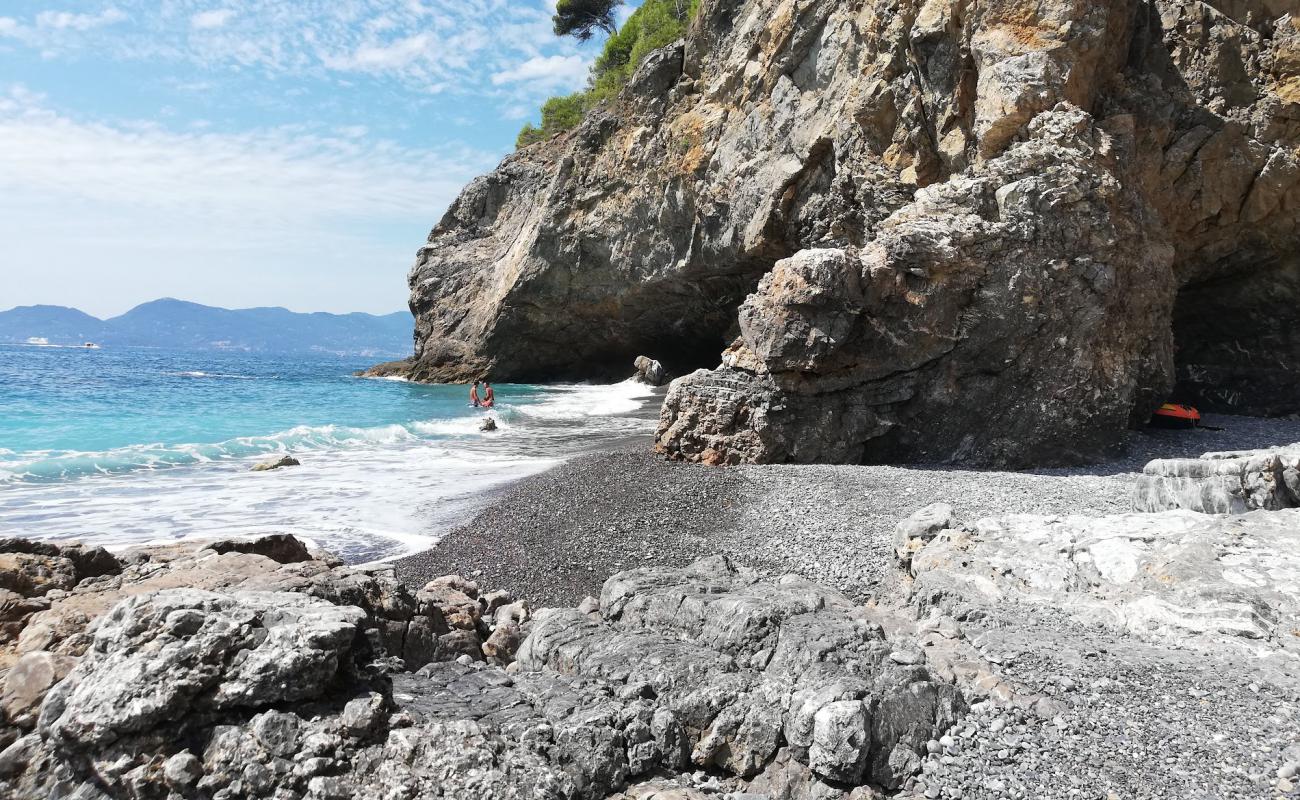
pixel 1175 575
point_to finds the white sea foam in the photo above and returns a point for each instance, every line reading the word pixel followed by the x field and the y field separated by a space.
pixel 225 376
pixel 588 400
pixel 364 503
pixel 364 492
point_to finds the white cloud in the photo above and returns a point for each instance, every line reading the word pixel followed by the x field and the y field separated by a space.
pixel 176 210
pixel 211 20
pixel 66 20
pixel 393 56
pixel 285 172
pixel 550 71
pixel 501 49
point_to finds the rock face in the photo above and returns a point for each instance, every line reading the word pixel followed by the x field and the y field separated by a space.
pixel 253 691
pixel 991 233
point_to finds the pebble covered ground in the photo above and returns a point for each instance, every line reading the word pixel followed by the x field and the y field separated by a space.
pixel 1126 720
pixel 1122 720
pixel 555 537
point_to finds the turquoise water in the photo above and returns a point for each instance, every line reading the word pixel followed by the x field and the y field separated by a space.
pixel 120 446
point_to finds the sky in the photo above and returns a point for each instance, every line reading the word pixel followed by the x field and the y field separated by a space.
pixel 252 152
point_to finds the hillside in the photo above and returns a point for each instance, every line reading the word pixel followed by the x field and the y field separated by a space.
pixel 191 326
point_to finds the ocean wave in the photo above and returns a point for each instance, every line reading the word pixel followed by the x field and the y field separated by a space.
pixel 200 374
pixel 462 426
pixel 577 401
pixel 49 465
pixel 528 429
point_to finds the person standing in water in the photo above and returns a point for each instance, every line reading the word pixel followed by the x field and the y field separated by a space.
pixel 473 396
pixel 488 398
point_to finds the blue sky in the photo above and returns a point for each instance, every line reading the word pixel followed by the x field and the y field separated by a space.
pixel 252 152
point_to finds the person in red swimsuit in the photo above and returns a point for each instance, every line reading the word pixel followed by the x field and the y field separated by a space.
pixel 489 399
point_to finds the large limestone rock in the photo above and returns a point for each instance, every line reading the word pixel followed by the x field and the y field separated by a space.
pixel 258 694
pixel 1222 483
pixel 1065 207
pixel 1030 271
pixel 1181 577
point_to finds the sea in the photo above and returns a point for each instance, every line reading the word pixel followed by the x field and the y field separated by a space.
pixel 126 446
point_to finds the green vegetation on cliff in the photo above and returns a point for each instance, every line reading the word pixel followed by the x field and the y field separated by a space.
pixel 655 24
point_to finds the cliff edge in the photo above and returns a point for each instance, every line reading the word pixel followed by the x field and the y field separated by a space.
pixel 992 232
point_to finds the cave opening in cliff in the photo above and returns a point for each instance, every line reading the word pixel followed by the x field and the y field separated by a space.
pixel 1238 340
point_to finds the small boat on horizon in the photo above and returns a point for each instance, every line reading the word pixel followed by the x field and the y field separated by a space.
pixel 38 341
pixel 91 346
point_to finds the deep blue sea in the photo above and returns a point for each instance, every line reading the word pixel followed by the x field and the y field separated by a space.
pixel 120 446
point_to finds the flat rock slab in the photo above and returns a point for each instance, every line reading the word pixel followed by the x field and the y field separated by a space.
pixel 1222 483
pixel 1177 576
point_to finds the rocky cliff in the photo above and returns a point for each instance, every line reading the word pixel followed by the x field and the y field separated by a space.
pixel 987 231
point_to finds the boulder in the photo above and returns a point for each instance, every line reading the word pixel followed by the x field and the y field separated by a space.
pixel 281 548
pixel 276 463
pixel 35 575
pixel 88 562
pixel 489 424
pixel 649 371
pixel 907 348
pixel 154 660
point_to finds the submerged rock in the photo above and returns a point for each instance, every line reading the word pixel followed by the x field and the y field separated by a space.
pixel 283 461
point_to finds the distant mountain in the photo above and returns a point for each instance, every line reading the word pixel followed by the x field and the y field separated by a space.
pixel 191 326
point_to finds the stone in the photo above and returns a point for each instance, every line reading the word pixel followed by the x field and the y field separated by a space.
pixel 444 601
pixel 15 758
pixel 153 658
pixel 362 715
pixel 277 732
pixel 849 355
pixel 840 742
pixel 281 548
pixel 292 695
pixel 26 683
pixel 32 575
pixel 918 529
pixel 277 463
pixel 182 770
pixel 87 562
pixel 488 424
pixel 503 643
pixel 649 371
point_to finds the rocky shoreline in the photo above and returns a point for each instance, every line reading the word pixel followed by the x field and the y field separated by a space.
pixel 555 537
pixel 678 632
